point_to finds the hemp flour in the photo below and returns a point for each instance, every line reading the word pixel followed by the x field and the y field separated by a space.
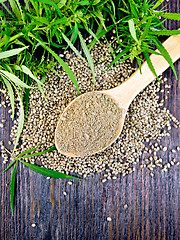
pixel 90 124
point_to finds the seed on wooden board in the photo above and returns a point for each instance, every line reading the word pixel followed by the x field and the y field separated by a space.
pixel 164 149
pixel 172 163
pixel 109 219
pixel 125 206
pixel 145 125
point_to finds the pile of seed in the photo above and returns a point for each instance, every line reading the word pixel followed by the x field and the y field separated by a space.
pixel 88 125
pixel 146 121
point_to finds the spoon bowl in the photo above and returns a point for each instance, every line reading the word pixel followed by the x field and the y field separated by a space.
pixel 119 99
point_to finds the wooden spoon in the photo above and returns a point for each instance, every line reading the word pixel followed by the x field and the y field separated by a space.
pixel 127 91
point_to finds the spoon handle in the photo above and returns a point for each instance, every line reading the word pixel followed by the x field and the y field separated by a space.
pixel 137 81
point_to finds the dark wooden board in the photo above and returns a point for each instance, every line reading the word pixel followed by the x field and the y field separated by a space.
pixel 152 202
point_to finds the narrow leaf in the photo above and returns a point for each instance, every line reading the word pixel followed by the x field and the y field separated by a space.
pixel 61 3
pixel 27 151
pixel 101 18
pixel 63 64
pixel 11 94
pixel 92 34
pixel 73 48
pixel 123 59
pixel 60 21
pixel 47 172
pixel 21 121
pixel 12 52
pixel 157 4
pixel 82 3
pixel 74 34
pixel 139 64
pixel 99 34
pixel 111 49
pixel 146 29
pixel 148 60
pixel 17 67
pixel 123 52
pixel 95 2
pixel 15 9
pixel 132 29
pixel 48 2
pixel 20 10
pixel 10 165
pixel 165 54
pixel 40 153
pixel 39 83
pixel 133 7
pixel 173 16
pixel 12 188
pixel 154 52
pixel 42 20
pixel 165 32
pixel 13 78
pixel 88 55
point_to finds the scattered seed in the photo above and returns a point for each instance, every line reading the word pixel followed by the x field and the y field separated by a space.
pixel 125 206
pixel 164 149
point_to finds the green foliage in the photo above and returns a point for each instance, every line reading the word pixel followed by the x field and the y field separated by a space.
pixel 43 27
pixel 12 75
pixel 138 27
pixel 47 20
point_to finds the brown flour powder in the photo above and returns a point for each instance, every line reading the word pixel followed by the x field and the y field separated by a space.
pixel 90 124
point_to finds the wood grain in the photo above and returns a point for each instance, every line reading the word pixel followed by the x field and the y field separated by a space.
pixel 153 202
